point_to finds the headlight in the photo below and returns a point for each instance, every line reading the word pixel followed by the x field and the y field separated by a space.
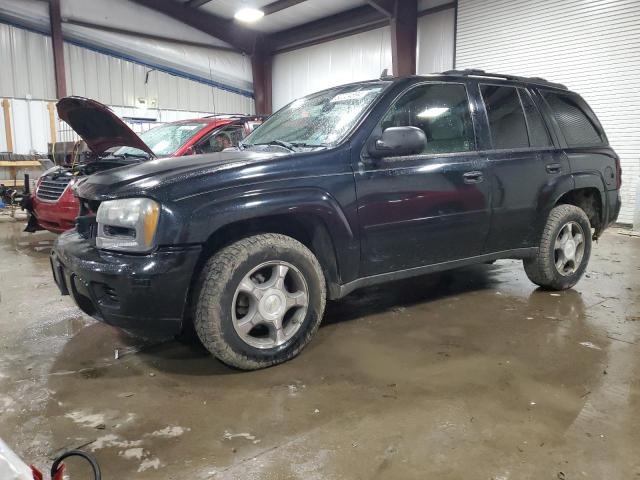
pixel 127 225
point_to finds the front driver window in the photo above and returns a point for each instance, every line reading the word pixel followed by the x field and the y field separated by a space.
pixel 219 140
pixel 441 111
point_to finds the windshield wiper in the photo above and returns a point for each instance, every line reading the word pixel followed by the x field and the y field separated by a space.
pixel 132 155
pixel 280 143
pixel 308 145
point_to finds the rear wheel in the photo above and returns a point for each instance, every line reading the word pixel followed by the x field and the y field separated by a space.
pixel 564 250
pixel 260 301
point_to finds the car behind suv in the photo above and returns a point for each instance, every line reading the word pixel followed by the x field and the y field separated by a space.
pixel 352 186
pixel 55 208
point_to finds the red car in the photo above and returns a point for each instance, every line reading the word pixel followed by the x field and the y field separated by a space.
pixel 54 207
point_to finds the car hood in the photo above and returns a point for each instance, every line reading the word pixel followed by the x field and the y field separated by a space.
pixel 147 177
pixel 98 126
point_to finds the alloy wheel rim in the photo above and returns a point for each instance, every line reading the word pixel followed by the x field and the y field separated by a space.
pixel 569 249
pixel 270 304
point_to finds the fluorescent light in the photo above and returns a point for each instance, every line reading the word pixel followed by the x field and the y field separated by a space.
pixel 432 112
pixel 249 15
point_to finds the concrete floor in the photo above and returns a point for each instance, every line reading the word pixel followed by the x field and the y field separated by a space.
pixel 467 374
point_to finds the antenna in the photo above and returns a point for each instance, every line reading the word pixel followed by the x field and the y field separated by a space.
pixel 213 93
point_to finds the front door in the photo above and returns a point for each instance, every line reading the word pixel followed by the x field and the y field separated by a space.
pixel 428 208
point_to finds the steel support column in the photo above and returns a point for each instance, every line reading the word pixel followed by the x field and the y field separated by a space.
pixel 58 48
pixel 261 61
pixel 404 37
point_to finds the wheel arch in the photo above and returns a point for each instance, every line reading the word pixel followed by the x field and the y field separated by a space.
pixel 309 215
pixel 584 190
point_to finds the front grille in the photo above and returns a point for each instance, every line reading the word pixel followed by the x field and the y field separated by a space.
pixel 52 188
pixel 86 224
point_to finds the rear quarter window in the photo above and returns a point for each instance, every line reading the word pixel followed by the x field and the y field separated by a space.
pixel 506 117
pixel 576 120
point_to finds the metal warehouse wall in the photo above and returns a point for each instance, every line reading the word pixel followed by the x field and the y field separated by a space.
pixel 357 57
pixel 592 46
pixel 114 81
pixel 26 64
pixel 26 60
pixel 436 38
pixel 27 81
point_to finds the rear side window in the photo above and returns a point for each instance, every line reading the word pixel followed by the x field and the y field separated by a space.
pixel 441 111
pixel 538 133
pixel 573 117
pixel 506 117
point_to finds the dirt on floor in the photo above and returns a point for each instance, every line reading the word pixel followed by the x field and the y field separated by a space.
pixel 468 374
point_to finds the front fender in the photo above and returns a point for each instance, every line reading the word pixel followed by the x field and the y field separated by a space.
pixel 210 216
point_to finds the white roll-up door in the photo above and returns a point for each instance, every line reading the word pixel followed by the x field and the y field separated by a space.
pixel 592 46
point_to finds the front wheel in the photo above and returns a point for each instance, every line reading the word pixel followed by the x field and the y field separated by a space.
pixel 259 301
pixel 564 250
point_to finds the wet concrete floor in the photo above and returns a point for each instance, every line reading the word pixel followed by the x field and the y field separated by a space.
pixel 469 374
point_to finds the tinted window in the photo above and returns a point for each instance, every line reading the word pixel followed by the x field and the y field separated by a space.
pixel 571 113
pixel 441 111
pixel 506 118
pixel 538 134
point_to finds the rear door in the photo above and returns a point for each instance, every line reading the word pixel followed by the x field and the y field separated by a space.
pixel 521 161
pixel 428 208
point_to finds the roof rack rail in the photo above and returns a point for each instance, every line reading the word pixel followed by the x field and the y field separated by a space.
pixel 475 72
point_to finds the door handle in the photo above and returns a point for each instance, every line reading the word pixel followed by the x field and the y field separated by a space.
pixel 473 177
pixel 553 168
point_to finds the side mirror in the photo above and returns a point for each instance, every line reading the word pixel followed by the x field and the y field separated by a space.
pixel 398 141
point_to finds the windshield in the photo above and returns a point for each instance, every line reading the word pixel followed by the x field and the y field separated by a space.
pixel 165 139
pixel 318 120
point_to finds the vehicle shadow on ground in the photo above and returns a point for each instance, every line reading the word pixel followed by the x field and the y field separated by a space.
pixel 187 356
pixel 409 292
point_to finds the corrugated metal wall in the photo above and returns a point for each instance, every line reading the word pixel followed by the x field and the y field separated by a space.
pixel 26 64
pixel 592 46
pixel 26 61
pixel 27 80
pixel 357 57
pixel 436 38
pixel 114 81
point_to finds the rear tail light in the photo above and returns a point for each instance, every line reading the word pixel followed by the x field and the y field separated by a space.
pixel 618 173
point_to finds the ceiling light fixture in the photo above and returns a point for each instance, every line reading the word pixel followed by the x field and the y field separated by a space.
pixel 249 15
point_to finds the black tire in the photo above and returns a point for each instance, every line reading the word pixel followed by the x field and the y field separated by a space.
pixel 215 297
pixel 541 268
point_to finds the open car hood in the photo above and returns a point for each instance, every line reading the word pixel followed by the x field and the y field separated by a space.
pixel 98 126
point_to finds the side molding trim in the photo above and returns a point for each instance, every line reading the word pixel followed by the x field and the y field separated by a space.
pixel 347 288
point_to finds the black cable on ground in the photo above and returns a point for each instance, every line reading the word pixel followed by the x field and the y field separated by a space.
pixel 97 475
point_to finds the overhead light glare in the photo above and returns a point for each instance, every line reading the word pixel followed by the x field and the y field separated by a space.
pixel 432 112
pixel 249 15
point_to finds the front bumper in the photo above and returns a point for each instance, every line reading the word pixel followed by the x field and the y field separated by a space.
pixel 143 293
pixel 58 216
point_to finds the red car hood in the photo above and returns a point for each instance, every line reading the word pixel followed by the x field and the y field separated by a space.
pixel 98 126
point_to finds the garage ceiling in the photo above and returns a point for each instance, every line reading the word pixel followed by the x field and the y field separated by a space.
pixel 298 14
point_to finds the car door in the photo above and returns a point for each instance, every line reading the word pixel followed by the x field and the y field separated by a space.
pixel 521 159
pixel 431 207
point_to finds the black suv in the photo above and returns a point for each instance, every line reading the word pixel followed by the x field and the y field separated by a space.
pixel 352 186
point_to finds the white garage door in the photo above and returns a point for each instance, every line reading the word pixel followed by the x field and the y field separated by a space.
pixel 592 46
